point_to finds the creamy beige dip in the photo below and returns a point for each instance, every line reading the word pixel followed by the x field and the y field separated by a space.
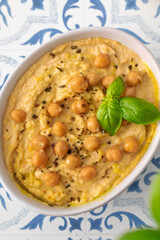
pixel 48 80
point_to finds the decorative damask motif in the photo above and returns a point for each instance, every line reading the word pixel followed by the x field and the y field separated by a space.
pixel 103 219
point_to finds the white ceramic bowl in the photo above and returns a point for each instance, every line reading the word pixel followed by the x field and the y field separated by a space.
pixel 110 33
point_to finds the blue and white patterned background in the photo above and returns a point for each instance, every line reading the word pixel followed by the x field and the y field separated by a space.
pixel 26 24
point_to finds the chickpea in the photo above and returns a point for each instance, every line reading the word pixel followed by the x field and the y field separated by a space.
pixel 131 144
pixel 51 179
pixel 124 122
pixel 61 148
pixel 78 84
pixel 73 162
pixel 93 124
pixel 39 142
pixel 133 78
pixel 87 173
pixel 80 106
pixel 54 109
pixel 91 143
pixel 93 79
pixel 107 80
pixel 129 92
pixel 59 129
pixel 114 154
pixel 101 60
pixel 40 159
pixel 18 115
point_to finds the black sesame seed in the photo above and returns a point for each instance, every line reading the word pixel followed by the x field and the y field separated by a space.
pixel 69 151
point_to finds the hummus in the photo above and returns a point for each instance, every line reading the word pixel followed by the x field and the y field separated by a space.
pixel 48 80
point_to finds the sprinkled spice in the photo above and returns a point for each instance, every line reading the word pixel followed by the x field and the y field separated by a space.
pixel 67 186
pixel 130 67
pixel 6 130
pixel 115 66
pixel 61 61
pixel 62 105
pixel 44 102
pixel 76 149
pixel 123 75
pixel 131 59
pixel 71 129
pixel 48 122
pixel 56 164
pixel 82 58
pixel 62 86
pixel 49 75
pixel 48 89
pixel 74 47
pixel 52 145
pixel 82 74
pixel 23 177
pixel 37 105
pixel 60 69
pixel 68 107
pixel 52 54
pixel 78 51
pixel 115 55
pixel 42 107
pixel 34 116
pixel 22 131
pixel 49 135
pixel 73 118
pixel 136 65
pixel 78 129
pixel 109 142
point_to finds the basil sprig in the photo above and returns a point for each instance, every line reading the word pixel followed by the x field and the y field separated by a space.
pixel 132 109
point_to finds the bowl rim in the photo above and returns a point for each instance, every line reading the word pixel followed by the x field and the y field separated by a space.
pixel 7 181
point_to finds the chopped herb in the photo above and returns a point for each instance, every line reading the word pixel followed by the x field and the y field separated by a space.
pixel 130 67
pixel 69 151
pixel 115 66
pixel 78 51
pixel 62 86
pixel 52 54
pixel 76 149
pixel 82 58
pixel 82 74
pixel 60 69
pixel 34 116
pixel 74 47
pixel 48 89
pixel 44 102
pixel 136 65
pixel 49 75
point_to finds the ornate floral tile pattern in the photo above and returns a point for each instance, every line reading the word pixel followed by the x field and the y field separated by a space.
pixel 23 27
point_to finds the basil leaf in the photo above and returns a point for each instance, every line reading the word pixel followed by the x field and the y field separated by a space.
pixel 116 88
pixel 155 198
pixel 109 115
pixel 138 110
pixel 146 234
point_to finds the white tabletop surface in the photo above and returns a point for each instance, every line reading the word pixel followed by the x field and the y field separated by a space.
pixel 25 25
